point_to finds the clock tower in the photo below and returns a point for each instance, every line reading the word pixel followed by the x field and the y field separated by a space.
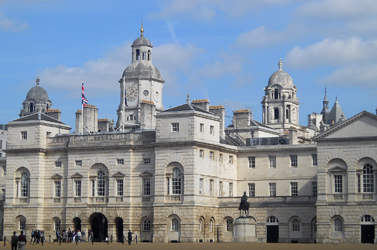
pixel 140 89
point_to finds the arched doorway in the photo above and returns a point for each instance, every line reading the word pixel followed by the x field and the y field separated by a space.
pixel 272 225
pixel 119 228
pixel 367 229
pixel 98 223
pixel 77 223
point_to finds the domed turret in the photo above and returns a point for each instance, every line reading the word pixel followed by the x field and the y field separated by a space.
pixel 280 77
pixel 36 101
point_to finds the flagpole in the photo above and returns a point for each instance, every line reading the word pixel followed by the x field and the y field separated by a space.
pixel 82 110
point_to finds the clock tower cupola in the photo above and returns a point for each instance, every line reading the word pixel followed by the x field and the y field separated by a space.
pixel 140 88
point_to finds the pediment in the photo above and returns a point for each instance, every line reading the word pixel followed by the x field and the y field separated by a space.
pixel 57 177
pixel 76 176
pixel 337 169
pixel 362 125
pixel 118 175
pixel 146 174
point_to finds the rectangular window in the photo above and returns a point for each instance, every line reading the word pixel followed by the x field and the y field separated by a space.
pixel 24 135
pixel 314 158
pixel 221 158
pixel 201 186
pixel 58 164
pixel 22 225
pixel 230 189
pixel 294 189
pixel 57 188
pixel 272 189
pixel 168 184
pixel 201 153
pixel 211 155
pixel 210 187
pixel 147 160
pixel 338 183
pixel 48 134
pixel 175 127
pixel 120 161
pixel 119 187
pixel 212 130
pixel 147 187
pixel 251 189
pixel 231 159
pixel 251 161
pixel 93 187
pixel 314 188
pixel 78 163
pixel 358 183
pixel 272 159
pixel 201 128
pixel 78 188
pixel 294 161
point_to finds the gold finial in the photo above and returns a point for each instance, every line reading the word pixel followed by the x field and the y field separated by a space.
pixel 141 29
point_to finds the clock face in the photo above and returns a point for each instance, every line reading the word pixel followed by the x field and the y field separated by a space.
pixel 131 93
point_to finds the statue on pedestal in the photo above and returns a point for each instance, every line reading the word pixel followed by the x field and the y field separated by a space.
pixel 244 205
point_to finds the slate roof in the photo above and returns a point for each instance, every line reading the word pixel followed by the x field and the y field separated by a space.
pixel 186 107
pixel 37 117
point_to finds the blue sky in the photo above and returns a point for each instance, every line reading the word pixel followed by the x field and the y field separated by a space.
pixel 224 51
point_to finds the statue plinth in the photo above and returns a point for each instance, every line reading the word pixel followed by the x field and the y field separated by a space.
pixel 244 230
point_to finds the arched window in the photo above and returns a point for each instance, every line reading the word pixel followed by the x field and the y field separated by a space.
pixel 24 185
pixel 295 225
pixel 147 225
pixel 368 179
pixel 56 224
pixel 338 225
pixel 229 225
pixel 174 225
pixel 101 183
pixel 272 220
pixel 144 56
pixel 211 225
pixel 276 113
pixel 22 224
pixel 176 181
pixel 31 107
pixel 137 54
pixel 287 114
pixel 367 219
pixel 276 94
pixel 200 225
pixel 149 55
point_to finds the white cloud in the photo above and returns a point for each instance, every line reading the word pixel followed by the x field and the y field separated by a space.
pixel 353 75
pixel 332 52
pixel 12 25
pixel 101 76
pixel 228 64
pixel 259 37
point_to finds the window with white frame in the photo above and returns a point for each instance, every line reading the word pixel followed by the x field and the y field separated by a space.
pixel 314 160
pixel 210 187
pixel 120 161
pixel 314 188
pixel 251 189
pixel 78 163
pixel 338 183
pixel 212 130
pixel 24 185
pixel 295 225
pixel 146 186
pixel 272 189
pixel 368 179
pixel 293 160
pixel 294 189
pixel 24 135
pixel 57 187
pixel 338 225
pixel 22 225
pixel 201 153
pixel 211 225
pixel 229 225
pixel 201 186
pixel 174 225
pixel 78 188
pixel 231 159
pixel 251 161
pixel 101 183
pixel 201 128
pixel 272 159
pixel 147 160
pixel 147 225
pixel 211 155
pixel 93 187
pixel 175 127
pixel 367 219
pixel 119 187
pixel 176 181
pixel 230 189
pixel 57 224
pixel 58 164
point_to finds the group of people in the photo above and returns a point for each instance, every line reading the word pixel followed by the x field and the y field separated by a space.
pixel 37 236
pixel 19 241
pixel 72 236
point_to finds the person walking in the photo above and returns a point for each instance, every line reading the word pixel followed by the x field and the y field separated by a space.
pixel 42 236
pixel 129 237
pixel 58 235
pixel 22 241
pixel 14 241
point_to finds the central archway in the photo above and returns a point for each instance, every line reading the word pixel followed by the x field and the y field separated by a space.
pixel 98 223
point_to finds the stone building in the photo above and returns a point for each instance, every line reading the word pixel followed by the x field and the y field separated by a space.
pixel 177 175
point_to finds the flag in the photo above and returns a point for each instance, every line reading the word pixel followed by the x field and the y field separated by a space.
pixel 125 97
pixel 84 101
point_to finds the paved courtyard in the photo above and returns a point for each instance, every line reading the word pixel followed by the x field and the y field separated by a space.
pixel 195 246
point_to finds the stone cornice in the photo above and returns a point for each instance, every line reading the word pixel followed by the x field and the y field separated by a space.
pixel 347 139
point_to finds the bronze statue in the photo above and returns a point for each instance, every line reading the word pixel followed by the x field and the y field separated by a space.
pixel 244 205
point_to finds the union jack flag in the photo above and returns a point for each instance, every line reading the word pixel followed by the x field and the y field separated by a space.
pixel 84 101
